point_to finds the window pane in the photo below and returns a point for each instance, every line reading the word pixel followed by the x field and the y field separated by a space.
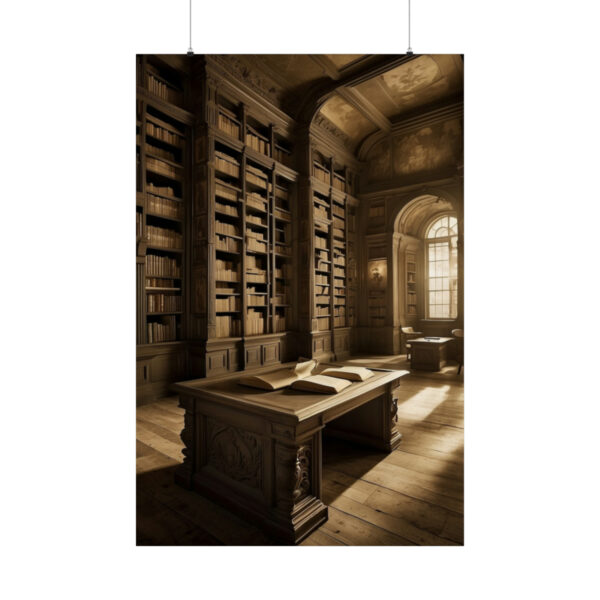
pixel 446 297
pixel 442 232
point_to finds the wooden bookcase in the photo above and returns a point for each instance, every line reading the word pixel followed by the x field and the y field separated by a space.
pixel 163 139
pixel 411 284
pixel 243 250
pixel 333 249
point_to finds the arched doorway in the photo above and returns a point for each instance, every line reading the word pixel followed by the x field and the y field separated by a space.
pixel 420 266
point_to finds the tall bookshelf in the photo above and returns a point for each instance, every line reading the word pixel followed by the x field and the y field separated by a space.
pixel 242 262
pixel 332 248
pixel 411 284
pixel 162 188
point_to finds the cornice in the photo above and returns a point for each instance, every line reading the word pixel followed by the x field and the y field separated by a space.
pixel 238 80
pixel 420 188
pixel 324 137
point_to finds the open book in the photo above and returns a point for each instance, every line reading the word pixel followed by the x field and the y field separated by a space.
pixel 350 373
pixel 321 384
pixel 280 379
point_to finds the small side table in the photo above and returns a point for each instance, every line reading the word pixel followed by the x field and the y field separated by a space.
pixel 429 354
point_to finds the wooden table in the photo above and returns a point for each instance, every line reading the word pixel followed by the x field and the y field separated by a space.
pixel 259 453
pixel 428 354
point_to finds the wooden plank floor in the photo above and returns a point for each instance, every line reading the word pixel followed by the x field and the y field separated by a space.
pixel 412 496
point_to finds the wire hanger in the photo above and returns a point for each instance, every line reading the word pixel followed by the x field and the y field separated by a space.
pixel 190 52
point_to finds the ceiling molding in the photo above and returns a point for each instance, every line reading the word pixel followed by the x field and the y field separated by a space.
pixel 365 107
pixel 327 65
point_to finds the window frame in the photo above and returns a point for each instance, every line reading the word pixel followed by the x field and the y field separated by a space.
pixel 428 242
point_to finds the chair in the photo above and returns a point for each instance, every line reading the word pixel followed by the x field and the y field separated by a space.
pixel 459 336
pixel 408 334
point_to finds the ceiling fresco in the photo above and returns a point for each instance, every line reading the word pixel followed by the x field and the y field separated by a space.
pixel 347 118
pixel 418 82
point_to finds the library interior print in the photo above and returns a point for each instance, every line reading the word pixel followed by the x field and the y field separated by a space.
pixel 299 300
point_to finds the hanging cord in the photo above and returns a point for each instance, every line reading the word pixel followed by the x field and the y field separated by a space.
pixel 409 51
pixel 190 51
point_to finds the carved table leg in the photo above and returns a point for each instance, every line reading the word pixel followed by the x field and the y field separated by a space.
pixel 298 506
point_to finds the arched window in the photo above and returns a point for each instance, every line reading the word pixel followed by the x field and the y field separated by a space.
pixel 441 259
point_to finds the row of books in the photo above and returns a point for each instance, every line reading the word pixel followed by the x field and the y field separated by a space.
pixel 339 321
pixel 253 300
pixel 228 244
pixel 321 311
pixel 227 164
pixel 321 299
pixel 163 303
pixel 321 290
pixel 339 182
pixel 229 125
pixel 139 224
pixel 162 266
pixel 255 244
pixel 337 272
pixel 280 299
pixel 228 326
pixel 282 155
pixel 163 331
pixel 323 324
pixel 256 220
pixel 157 282
pixel 283 249
pixel 161 190
pixel 258 143
pixel 160 152
pixel 226 270
pixel 322 266
pixel 231 304
pixel 321 173
pixel 165 207
pixel 254 262
pixel 166 238
pixel 320 212
pixel 338 211
pixel 163 90
pixel 227 228
pixel 228 209
pixel 282 213
pixel 321 279
pixel 258 177
pixel 278 323
pixel 339 259
pixel 320 242
pixel 158 166
pixel 339 233
pixel 255 322
pixel 257 201
pixel 256 276
pixel 339 311
pixel 163 134
pixel 224 191
pixel 282 193
pixel 339 223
